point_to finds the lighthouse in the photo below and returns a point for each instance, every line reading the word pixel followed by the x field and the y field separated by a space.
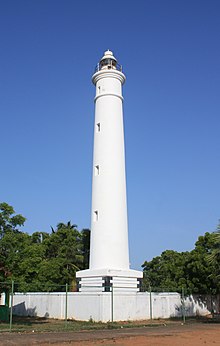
pixel 109 252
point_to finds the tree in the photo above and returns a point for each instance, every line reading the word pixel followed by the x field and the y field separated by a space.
pixel 10 239
pixel 199 270
pixel 165 272
pixel 63 256
pixel 214 257
pixel 86 247
pixel 41 261
pixel 190 270
pixel 8 221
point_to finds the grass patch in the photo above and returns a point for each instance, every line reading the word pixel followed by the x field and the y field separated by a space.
pixel 37 324
pixel 41 325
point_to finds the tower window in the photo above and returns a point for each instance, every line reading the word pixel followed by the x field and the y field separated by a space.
pixel 97 171
pixel 99 89
pixel 98 127
pixel 96 215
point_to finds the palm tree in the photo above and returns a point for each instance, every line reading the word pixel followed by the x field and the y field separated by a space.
pixel 66 225
pixel 214 256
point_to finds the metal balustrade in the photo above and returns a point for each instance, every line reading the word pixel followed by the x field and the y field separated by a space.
pixel 111 65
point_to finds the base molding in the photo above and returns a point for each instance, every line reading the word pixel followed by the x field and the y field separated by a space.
pixel 107 280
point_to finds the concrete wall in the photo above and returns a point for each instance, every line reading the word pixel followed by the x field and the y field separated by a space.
pixel 98 306
pixel 2 299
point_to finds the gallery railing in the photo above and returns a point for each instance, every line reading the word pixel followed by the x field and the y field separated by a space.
pixel 110 66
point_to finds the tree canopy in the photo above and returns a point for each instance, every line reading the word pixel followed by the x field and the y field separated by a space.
pixel 196 271
pixel 40 261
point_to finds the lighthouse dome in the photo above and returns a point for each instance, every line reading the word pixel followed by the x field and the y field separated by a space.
pixel 108 55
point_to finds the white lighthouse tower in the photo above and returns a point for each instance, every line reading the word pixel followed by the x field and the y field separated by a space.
pixel 109 253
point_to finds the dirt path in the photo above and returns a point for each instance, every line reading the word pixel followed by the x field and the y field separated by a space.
pixel 178 335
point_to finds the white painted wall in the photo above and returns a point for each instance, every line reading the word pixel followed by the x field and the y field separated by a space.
pixel 126 306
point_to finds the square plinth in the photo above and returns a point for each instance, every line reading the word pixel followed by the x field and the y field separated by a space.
pixel 106 280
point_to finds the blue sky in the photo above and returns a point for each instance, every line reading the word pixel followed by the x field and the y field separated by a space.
pixel 170 54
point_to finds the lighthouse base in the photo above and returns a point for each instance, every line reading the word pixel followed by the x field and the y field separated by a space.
pixel 104 280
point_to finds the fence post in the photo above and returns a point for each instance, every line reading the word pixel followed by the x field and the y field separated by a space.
pixel 151 315
pixel 183 306
pixel 66 301
pixel 112 304
pixel 11 310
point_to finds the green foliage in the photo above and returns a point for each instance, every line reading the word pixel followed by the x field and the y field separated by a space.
pixel 8 221
pixel 165 272
pixel 11 240
pixel 214 257
pixel 86 246
pixel 41 261
pixel 194 271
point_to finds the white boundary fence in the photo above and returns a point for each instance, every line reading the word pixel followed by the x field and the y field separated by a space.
pixel 112 306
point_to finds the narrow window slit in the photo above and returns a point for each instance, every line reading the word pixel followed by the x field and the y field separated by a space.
pixel 96 215
pixel 97 171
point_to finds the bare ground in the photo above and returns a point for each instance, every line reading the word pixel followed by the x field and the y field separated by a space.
pixel 195 334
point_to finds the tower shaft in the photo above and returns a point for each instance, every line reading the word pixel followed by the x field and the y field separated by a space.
pixel 109 234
